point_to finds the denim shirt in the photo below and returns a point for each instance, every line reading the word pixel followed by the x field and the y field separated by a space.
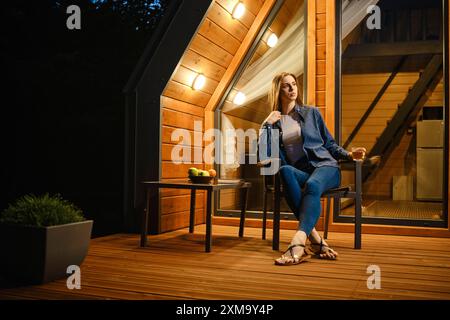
pixel 319 147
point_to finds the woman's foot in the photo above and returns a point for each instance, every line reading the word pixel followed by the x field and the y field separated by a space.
pixel 295 253
pixel 320 248
pixel 323 251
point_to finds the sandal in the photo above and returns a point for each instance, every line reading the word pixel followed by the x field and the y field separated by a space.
pixel 293 259
pixel 323 249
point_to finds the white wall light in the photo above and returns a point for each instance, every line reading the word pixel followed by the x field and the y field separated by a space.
pixel 272 40
pixel 238 10
pixel 199 82
pixel 239 98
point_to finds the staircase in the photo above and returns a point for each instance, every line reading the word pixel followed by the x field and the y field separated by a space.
pixel 388 76
pixel 408 111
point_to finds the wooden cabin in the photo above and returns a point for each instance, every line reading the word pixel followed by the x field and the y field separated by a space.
pixel 359 77
pixel 385 89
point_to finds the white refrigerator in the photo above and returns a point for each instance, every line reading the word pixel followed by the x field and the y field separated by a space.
pixel 430 159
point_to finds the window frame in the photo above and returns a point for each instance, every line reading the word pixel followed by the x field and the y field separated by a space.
pixel 218 111
pixel 338 123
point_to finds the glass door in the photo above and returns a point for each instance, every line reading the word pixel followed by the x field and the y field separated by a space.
pixel 393 102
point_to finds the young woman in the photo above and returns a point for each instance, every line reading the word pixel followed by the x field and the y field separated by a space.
pixel 308 164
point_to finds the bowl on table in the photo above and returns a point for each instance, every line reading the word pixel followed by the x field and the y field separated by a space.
pixel 201 179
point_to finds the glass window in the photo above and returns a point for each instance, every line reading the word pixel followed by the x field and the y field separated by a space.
pixel 393 103
pixel 280 48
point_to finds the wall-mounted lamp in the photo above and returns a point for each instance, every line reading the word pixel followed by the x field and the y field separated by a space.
pixel 199 82
pixel 272 40
pixel 238 10
pixel 239 98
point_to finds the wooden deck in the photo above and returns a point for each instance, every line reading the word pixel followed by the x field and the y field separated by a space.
pixel 174 266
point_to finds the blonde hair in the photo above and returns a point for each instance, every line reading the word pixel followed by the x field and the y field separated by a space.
pixel 274 93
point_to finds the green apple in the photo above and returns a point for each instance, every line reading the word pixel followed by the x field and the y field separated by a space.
pixel 203 173
pixel 193 172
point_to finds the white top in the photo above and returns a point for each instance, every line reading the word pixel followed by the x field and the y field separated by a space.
pixel 292 137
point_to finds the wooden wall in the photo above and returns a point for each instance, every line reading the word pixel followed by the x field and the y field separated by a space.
pixel 217 51
pixel 211 53
pixel 446 79
pixel 320 65
pixel 321 56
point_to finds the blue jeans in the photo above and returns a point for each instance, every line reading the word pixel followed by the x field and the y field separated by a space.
pixel 305 204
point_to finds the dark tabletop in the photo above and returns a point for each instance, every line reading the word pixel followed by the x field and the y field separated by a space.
pixel 215 184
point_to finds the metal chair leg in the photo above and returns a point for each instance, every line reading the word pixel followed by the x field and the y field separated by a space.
pixel 244 197
pixel 358 203
pixel 276 214
pixel 327 218
pixel 264 215
pixel 336 206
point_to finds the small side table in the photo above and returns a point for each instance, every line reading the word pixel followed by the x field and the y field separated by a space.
pixel 210 188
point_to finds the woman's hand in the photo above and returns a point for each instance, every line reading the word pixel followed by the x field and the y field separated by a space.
pixel 273 117
pixel 358 153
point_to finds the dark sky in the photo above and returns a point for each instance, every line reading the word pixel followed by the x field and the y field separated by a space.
pixel 63 107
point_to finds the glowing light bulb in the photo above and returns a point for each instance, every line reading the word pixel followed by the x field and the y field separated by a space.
pixel 272 41
pixel 239 98
pixel 238 11
pixel 199 82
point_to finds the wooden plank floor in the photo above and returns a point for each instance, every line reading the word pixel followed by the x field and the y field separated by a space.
pixel 175 266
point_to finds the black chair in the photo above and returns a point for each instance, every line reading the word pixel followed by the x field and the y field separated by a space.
pixel 272 185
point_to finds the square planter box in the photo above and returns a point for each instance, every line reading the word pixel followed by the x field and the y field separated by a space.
pixel 37 255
